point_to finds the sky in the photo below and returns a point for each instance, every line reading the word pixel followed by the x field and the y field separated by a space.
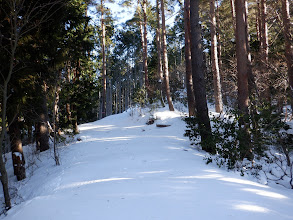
pixel 122 14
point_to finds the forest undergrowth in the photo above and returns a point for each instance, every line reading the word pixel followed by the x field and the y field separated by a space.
pixel 263 150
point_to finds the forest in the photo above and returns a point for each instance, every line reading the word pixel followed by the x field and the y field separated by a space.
pixel 64 63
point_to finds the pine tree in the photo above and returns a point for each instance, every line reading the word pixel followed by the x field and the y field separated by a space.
pixel 159 51
pixel 264 51
pixel 189 83
pixel 242 56
pixel 199 79
pixel 288 45
pixel 104 68
pixel 215 60
pixel 165 58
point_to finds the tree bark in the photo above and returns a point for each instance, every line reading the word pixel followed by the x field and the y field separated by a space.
pixel 288 45
pixel 145 48
pixel 244 75
pixel 232 2
pixel 242 56
pixel 165 59
pixel 74 120
pixel 109 97
pixel 251 80
pixel 3 172
pixel 159 49
pixel 189 82
pixel 16 147
pixel 68 109
pixel 215 60
pixel 116 98
pixel 119 97
pixel 104 70
pixel 258 21
pixel 42 131
pixel 199 79
pixel 4 181
pixel 55 117
pixel 264 51
pixel 158 41
pixel 219 37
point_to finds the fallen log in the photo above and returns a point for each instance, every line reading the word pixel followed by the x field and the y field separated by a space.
pixel 162 126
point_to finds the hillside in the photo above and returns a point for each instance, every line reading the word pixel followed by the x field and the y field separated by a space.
pixel 125 169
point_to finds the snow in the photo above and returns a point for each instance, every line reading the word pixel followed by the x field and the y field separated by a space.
pixel 125 169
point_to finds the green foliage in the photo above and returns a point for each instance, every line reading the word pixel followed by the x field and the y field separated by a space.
pixel 55 51
pixel 139 96
pixel 272 130
pixel 192 131
pixel 267 128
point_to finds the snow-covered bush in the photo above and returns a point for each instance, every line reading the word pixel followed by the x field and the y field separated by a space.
pixel 270 144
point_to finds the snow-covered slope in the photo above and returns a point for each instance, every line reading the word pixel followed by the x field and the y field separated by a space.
pixel 127 170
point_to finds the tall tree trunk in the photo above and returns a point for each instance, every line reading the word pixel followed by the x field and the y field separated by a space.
pixel 244 74
pixel 158 41
pixel 215 60
pixel 68 109
pixel 127 95
pixel 130 91
pixel 3 172
pixel 16 146
pixel 100 106
pixel 119 97
pixel 116 98
pixel 251 81
pixel 219 37
pixel 104 71
pixel 199 79
pixel 123 97
pixel 74 113
pixel 242 56
pixel 145 48
pixel 159 49
pixel 141 28
pixel 42 131
pixel 75 119
pixel 288 45
pixel 56 118
pixel 258 21
pixel 4 182
pixel 264 51
pixel 220 50
pixel 109 97
pixel 232 2
pixel 165 58
pixel 189 83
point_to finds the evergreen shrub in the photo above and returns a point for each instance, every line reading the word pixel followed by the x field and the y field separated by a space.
pixel 266 131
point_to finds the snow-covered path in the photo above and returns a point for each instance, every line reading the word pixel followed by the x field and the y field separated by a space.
pixel 127 170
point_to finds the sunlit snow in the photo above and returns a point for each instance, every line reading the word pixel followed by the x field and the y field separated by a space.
pixel 123 169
